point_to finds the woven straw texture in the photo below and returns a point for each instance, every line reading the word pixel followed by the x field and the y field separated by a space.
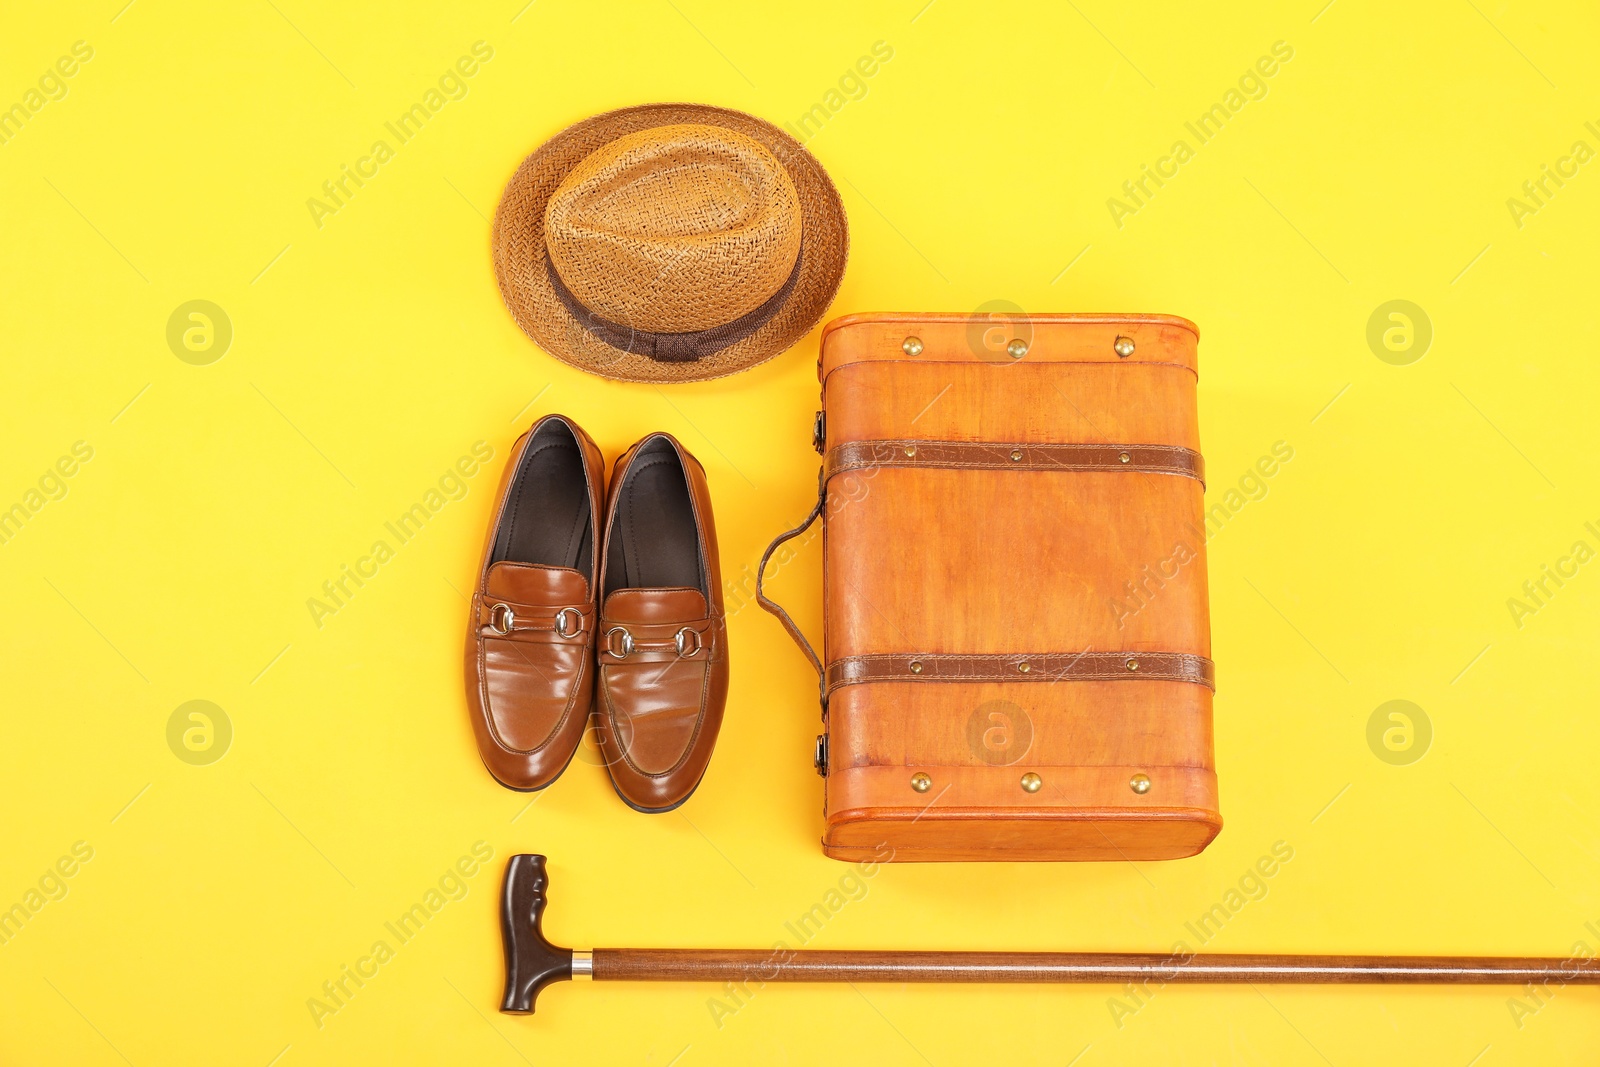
pixel 669 218
pixel 675 229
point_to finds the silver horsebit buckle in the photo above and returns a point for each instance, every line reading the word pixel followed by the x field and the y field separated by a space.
pixel 502 620
pixel 686 642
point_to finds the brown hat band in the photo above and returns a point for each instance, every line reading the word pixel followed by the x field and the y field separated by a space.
pixel 673 347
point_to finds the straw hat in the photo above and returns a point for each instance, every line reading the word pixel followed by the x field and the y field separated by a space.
pixel 669 243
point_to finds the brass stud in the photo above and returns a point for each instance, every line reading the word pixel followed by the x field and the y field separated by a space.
pixel 1139 783
pixel 1133 664
pixel 921 782
pixel 911 346
pixel 916 666
pixel 1017 348
pixel 1031 782
pixel 911 451
pixel 1123 347
pixel 1016 455
pixel 1024 667
pixel 1124 457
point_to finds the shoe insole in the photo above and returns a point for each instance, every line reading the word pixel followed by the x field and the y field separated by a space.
pixel 654 540
pixel 547 517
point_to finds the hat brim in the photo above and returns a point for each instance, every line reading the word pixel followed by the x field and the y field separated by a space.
pixel 520 262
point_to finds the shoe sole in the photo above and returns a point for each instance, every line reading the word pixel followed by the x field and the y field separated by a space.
pixel 547 785
pixel 655 811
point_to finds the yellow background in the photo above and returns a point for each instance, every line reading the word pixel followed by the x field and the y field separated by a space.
pixel 370 353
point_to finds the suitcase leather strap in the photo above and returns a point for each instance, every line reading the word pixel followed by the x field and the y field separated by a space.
pixel 1022 667
pixel 1016 455
pixel 776 609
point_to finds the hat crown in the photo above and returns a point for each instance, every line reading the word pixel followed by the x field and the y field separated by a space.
pixel 675 228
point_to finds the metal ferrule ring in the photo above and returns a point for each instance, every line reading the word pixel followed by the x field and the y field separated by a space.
pixel 611 642
pixel 566 629
pixel 502 619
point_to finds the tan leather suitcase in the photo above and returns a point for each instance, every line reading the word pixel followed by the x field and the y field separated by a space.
pixel 1017 645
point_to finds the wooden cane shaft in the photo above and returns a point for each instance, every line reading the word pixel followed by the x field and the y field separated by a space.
pixel 743 965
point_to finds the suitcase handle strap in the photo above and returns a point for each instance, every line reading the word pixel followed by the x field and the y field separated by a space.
pixel 775 608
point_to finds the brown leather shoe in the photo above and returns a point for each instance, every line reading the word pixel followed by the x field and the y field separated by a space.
pixel 663 643
pixel 530 635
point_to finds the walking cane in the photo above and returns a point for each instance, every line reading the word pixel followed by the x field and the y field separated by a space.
pixel 533 962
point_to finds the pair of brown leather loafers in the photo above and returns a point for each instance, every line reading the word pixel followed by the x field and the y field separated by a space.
pixel 619 617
